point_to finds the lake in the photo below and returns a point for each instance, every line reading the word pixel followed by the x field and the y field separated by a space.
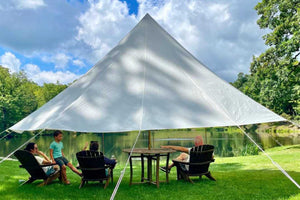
pixel 227 141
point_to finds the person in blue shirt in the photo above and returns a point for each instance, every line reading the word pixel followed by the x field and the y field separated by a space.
pixel 58 157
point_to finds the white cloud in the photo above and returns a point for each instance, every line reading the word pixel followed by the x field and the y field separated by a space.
pixel 60 60
pixel 221 34
pixel 78 63
pixel 21 4
pixel 29 4
pixel 31 69
pixel 103 25
pixel 10 61
pixel 40 77
pixel 49 27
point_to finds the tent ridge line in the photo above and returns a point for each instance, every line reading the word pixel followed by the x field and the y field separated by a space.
pixel 140 125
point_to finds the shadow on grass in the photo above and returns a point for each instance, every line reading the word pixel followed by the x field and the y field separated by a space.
pixel 293 147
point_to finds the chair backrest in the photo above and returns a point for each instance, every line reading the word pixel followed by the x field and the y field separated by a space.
pixel 201 154
pixel 91 164
pixel 29 162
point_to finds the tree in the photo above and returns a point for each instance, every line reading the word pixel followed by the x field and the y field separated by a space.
pixel 19 96
pixel 16 97
pixel 275 74
pixel 51 90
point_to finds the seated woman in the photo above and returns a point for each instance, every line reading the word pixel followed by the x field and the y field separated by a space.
pixel 33 148
pixel 94 146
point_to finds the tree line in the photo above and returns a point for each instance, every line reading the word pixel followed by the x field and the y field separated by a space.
pixel 274 79
pixel 20 96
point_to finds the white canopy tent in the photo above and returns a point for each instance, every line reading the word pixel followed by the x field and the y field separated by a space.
pixel 147 82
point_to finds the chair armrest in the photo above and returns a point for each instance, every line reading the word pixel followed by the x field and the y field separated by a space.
pixel 21 166
pixel 179 163
pixel 91 169
pixel 188 163
pixel 48 165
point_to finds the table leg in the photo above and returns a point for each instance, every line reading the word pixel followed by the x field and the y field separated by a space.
pixel 157 170
pixel 142 175
pixel 131 171
pixel 149 168
pixel 167 174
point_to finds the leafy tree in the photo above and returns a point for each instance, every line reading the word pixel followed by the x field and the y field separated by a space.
pixel 275 75
pixel 16 98
pixel 51 90
pixel 19 96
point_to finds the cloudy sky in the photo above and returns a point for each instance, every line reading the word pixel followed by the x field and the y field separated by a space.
pixel 60 40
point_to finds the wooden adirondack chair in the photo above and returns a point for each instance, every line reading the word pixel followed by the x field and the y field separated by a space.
pixel 93 168
pixel 200 159
pixel 35 170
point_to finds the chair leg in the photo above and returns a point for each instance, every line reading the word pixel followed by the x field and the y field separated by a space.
pixel 179 176
pixel 30 180
pixel 112 175
pixel 190 180
pixel 208 175
pixel 81 184
pixel 167 167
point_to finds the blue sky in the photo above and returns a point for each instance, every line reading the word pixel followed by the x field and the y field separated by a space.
pixel 60 40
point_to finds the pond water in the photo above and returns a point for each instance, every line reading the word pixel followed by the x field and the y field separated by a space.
pixel 227 142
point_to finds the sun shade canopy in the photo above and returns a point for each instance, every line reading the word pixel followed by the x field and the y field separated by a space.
pixel 147 82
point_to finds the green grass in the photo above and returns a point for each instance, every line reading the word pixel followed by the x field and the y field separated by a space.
pixel 249 177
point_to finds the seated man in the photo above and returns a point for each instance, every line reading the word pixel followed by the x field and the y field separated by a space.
pixel 94 146
pixel 33 148
pixel 185 157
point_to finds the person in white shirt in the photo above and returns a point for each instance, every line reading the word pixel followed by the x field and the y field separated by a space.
pixel 41 158
pixel 185 156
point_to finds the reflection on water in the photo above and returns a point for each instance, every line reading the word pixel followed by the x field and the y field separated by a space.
pixel 226 144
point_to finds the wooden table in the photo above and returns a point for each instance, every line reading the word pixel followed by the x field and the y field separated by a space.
pixel 150 154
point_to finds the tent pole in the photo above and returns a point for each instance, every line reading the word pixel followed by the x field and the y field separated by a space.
pixel 205 136
pixel 149 139
pixel 274 163
pixel 8 132
pixel 103 143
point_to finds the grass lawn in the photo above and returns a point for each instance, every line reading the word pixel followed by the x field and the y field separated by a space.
pixel 249 177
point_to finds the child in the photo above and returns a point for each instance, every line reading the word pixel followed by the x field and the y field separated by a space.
pixel 58 157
